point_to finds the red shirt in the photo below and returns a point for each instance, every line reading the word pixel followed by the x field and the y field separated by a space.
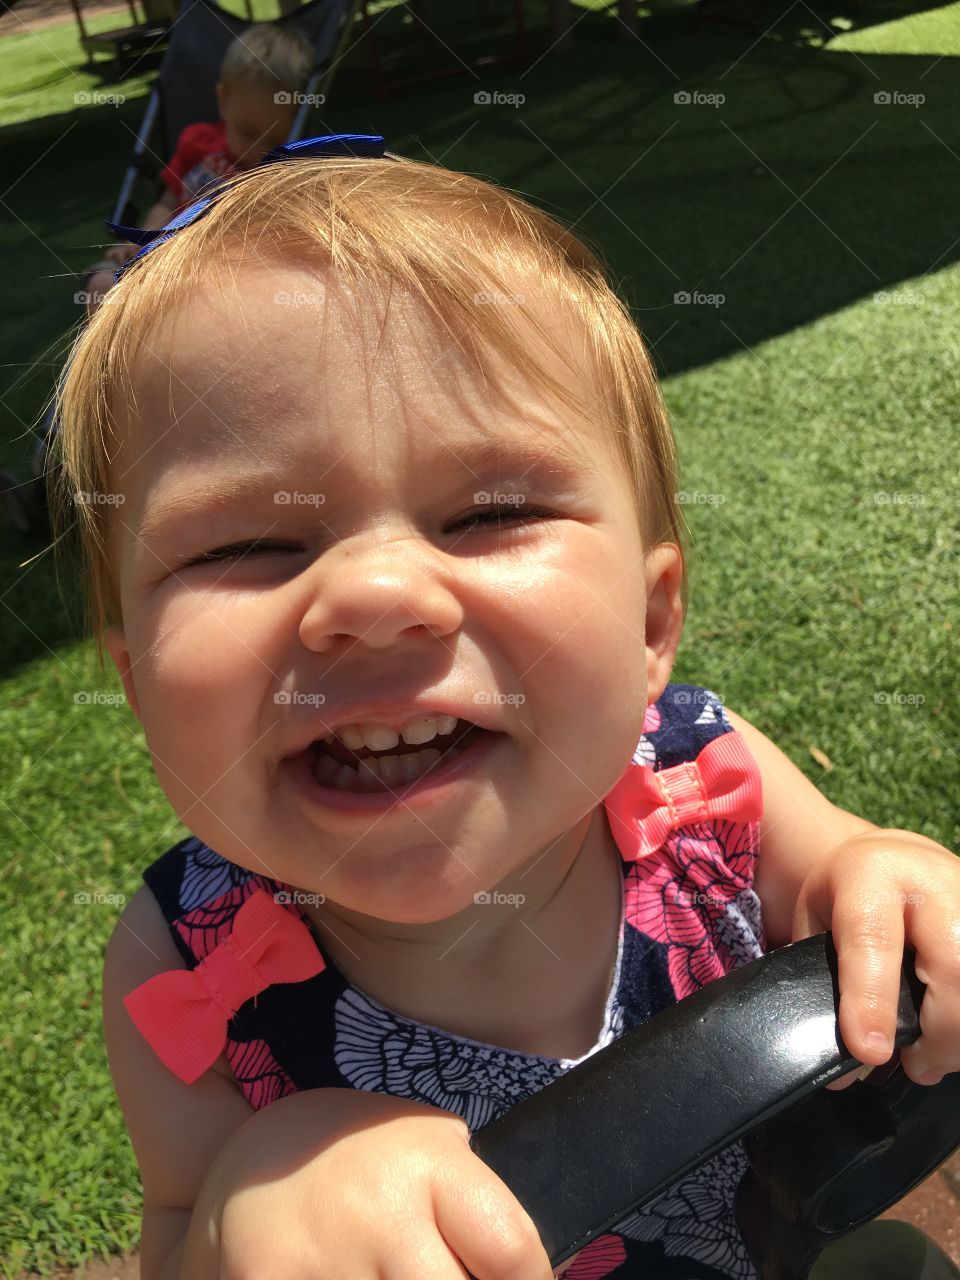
pixel 201 158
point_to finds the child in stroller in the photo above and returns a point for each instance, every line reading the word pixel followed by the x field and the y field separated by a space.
pixel 264 72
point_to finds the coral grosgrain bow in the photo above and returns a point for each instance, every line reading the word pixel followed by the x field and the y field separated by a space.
pixel 723 782
pixel 183 1014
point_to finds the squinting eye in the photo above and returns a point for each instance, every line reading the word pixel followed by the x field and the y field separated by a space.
pixel 500 514
pixel 492 517
pixel 236 551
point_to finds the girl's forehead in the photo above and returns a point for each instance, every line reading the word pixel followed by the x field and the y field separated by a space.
pixel 279 357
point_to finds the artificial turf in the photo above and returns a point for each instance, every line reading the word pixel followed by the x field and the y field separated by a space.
pixel 815 408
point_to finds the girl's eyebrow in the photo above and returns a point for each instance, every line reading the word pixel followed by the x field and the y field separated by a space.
pixel 553 461
pixel 517 459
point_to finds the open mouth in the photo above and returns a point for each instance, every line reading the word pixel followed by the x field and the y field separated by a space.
pixel 340 768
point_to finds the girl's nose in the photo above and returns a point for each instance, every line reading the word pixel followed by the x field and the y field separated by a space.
pixel 375 596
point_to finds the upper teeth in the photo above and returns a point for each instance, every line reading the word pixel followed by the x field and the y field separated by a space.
pixel 380 737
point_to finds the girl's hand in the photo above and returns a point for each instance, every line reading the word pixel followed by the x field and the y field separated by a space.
pixel 874 892
pixel 341 1184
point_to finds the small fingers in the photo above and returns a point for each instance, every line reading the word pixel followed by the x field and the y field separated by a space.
pixel 427 1257
pixel 869 936
pixel 487 1228
pixel 937 1051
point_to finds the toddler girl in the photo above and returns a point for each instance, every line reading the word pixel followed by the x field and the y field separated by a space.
pixel 381 533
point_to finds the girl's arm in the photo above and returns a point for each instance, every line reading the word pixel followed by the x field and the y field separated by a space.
pixel 821 868
pixel 799 826
pixel 322 1182
pixel 176 1130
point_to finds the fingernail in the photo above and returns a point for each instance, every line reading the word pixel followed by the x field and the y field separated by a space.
pixel 864 1072
pixel 877 1040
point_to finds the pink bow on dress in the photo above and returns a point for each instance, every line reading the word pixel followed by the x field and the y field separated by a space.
pixel 183 1013
pixel 723 782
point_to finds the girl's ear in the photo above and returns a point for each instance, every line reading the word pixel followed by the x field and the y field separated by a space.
pixel 664 574
pixel 120 654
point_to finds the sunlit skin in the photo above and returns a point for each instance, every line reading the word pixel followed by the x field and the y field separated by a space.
pixel 254 121
pixel 381 591
pixel 380 597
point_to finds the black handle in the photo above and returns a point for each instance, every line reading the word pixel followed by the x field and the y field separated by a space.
pixel 617 1130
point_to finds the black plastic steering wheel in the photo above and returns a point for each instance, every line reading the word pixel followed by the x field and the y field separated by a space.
pixel 745 1057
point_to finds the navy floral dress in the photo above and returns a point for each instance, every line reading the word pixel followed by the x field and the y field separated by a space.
pixel 690 915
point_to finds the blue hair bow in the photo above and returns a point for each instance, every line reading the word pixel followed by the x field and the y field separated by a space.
pixel 362 145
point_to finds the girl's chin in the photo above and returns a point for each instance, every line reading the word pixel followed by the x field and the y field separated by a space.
pixel 421 892
pixel 404 904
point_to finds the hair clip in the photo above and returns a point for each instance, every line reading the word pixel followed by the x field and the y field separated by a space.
pixel 367 146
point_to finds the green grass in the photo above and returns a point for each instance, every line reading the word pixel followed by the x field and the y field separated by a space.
pixel 796 402
pixel 932 31
pixel 45 72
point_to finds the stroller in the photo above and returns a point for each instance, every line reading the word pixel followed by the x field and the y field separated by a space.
pixel 184 93
pixel 745 1057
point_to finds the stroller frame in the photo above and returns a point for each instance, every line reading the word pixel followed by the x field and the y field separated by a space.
pixel 185 90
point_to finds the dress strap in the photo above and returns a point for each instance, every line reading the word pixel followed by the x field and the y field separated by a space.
pixel 184 1013
pixel 723 782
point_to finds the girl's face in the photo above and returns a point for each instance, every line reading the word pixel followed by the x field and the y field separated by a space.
pixel 263 417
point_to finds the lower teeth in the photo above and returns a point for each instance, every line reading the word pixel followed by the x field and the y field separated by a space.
pixel 378 773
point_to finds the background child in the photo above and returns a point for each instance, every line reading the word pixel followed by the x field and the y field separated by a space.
pixel 262 72
pixel 390 562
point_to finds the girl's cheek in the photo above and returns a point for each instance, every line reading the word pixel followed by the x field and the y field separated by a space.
pixel 199 643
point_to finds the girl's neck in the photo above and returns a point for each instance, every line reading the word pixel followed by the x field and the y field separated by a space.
pixel 483 972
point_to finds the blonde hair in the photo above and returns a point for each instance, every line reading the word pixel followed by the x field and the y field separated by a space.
pixel 447 239
pixel 278 58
